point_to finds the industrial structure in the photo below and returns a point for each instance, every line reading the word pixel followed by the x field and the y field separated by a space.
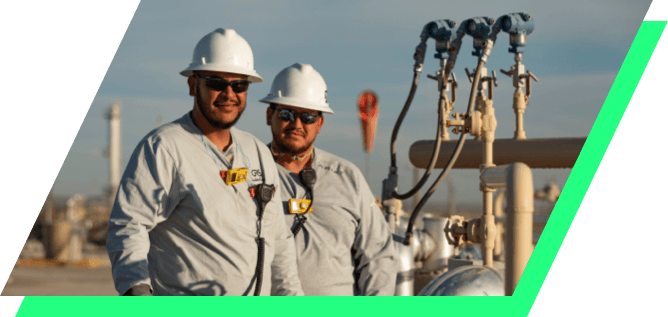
pixel 113 115
pixel 438 251
pixel 62 230
pixel 505 235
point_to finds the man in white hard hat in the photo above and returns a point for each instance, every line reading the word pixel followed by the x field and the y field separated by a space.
pixel 344 245
pixel 194 213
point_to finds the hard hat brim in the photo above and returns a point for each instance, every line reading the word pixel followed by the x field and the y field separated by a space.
pixel 253 76
pixel 296 102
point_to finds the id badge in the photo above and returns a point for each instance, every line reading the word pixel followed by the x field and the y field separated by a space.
pixel 235 175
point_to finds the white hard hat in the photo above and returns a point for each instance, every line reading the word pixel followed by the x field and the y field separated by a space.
pixel 299 86
pixel 223 50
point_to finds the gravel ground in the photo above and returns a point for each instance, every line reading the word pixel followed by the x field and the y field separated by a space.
pixel 60 281
pixel 63 281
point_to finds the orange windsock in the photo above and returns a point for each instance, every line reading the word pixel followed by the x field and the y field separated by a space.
pixel 368 108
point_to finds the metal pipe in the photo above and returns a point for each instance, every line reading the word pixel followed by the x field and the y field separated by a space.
pixel 423 246
pixel 489 227
pixel 498 204
pixel 519 223
pixel 519 105
pixel 436 254
pixel 488 223
pixel 405 270
pixel 494 177
pixel 114 117
pixel 536 153
pixel 450 161
pixel 500 225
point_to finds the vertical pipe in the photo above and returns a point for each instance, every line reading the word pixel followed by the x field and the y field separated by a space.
pixel 489 229
pixel 489 225
pixel 405 270
pixel 438 257
pixel 519 223
pixel 519 104
pixel 405 284
pixel 498 213
pixel 114 117
pixel 74 206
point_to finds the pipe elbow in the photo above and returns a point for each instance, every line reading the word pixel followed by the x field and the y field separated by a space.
pixel 427 246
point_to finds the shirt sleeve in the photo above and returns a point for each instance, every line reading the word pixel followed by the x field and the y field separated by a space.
pixel 142 201
pixel 373 249
pixel 284 278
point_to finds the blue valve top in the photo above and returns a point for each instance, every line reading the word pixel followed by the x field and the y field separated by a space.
pixel 478 28
pixel 519 23
pixel 441 31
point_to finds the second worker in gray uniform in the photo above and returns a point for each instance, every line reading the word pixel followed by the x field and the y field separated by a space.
pixel 344 246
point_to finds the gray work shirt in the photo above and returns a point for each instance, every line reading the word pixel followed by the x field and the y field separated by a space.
pixel 345 247
pixel 179 228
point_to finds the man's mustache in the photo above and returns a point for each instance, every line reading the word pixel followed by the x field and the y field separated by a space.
pixel 288 131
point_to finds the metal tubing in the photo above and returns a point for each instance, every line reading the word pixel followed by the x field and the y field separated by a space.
pixel 519 223
pixel 536 153
pixel 395 130
pixel 450 162
pixel 438 258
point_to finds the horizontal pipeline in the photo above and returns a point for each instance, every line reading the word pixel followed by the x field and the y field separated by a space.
pixel 537 153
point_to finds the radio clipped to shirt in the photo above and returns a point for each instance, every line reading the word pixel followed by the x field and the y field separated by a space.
pixel 235 175
pixel 298 206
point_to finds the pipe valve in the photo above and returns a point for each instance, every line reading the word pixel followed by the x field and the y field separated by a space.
pixel 459 231
pixel 464 123
pixel 485 81
pixel 452 83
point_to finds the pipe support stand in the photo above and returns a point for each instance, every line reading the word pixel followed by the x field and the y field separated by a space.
pixel 444 109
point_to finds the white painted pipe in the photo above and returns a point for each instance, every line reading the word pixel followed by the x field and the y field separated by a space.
pixel 114 117
pixel 519 223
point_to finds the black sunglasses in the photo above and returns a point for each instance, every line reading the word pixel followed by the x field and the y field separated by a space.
pixel 220 84
pixel 291 115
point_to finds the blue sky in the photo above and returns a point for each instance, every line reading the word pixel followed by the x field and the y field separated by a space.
pixel 576 49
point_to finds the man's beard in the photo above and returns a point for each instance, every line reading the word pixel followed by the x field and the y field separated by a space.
pixel 214 122
pixel 288 148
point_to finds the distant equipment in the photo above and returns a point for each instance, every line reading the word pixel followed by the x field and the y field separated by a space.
pixel 114 117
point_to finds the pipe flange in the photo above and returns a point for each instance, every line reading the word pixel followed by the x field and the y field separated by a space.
pixel 475 123
pixel 473 231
